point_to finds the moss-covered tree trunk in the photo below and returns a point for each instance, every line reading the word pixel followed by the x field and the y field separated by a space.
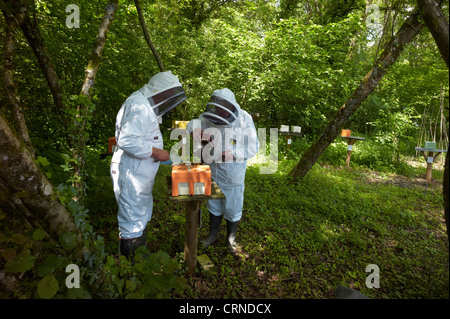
pixel 8 80
pixel 77 129
pixel 24 189
pixel 20 13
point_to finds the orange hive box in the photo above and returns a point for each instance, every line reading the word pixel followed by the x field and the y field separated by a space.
pixel 111 143
pixel 346 133
pixel 191 180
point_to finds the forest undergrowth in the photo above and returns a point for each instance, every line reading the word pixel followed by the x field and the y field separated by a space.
pixel 300 240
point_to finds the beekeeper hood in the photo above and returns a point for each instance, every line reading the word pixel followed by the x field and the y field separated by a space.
pixel 164 92
pixel 222 109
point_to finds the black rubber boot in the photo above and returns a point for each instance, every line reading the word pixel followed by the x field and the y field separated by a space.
pixel 127 247
pixel 214 226
pixel 231 236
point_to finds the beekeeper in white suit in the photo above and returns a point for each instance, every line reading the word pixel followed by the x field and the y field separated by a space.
pixel 139 151
pixel 224 123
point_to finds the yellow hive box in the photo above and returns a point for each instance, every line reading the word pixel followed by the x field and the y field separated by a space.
pixel 179 124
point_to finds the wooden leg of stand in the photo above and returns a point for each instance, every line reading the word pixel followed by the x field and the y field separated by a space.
pixel 191 237
pixel 429 171
pixel 347 160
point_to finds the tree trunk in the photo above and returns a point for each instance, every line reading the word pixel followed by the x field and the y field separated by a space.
pixel 78 142
pixel 97 51
pixel 147 36
pixel 446 190
pixel 437 24
pixel 34 38
pixel 410 28
pixel 8 81
pixel 25 189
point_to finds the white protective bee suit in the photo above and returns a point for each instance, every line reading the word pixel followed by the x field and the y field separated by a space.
pixel 229 175
pixel 133 168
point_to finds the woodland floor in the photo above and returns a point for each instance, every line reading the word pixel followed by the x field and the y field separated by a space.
pixel 301 241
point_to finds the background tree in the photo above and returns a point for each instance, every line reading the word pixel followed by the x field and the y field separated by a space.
pixel 438 26
pixel 288 62
pixel 389 56
pixel 84 106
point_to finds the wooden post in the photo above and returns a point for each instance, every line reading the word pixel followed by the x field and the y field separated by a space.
pixel 192 206
pixel 191 237
pixel 289 140
pixel 350 142
pixel 432 155
pixel 288 135
pixel 347 160
pixel 429 171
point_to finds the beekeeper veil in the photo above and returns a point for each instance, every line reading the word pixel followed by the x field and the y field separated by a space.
pixel 222 109
pixel 164 92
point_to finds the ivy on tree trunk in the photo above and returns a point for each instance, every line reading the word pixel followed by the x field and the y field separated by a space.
pixel 81 116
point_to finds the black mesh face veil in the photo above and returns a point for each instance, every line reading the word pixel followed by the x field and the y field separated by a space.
pixel 220 111
pixel 167 100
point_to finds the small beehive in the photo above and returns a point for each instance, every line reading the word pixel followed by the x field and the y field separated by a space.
pixel 191 180
pixel 430 145
pixel 179 124
pixel 346 133
pixel 296 129
pixel 284 128
pixel 111 144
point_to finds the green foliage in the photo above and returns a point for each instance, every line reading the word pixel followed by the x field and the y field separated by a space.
pixel 410 86
pixel 68 240
pixel 301 240
pixel 51 264
pixel 292 67
pixel 21 262
pixel 305 79
pixel 47 287
pixel 291 62
pixel 152 276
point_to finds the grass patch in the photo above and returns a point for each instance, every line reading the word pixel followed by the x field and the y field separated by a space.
pixel 301 240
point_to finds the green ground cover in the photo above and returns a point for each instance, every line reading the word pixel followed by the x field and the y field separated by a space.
pixel 302 240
